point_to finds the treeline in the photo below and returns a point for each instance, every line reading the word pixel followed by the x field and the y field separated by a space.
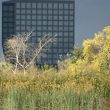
pixel 86 71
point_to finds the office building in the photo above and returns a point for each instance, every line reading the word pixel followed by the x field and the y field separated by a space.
pixel 42 17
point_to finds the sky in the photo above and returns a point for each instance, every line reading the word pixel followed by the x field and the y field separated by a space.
pixel 91 16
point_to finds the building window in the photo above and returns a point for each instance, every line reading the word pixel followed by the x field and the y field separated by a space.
pixel 71 22
pixel 28 11
pixel 55 17
pixel 65 17
pixel 44 11
pixel 17 28
pixel 60 6
pixel 60 12
pixel 17 5
pixel 66 45
pixel 65 23
pixel 44 22
pixel 55 22
pixel 28 5
pixel 49 17
pixel 34 27
pixel 17 22
pixel 17 11
pixel 65 28
pixel 39 5
pixel 60 45
pixel 66 12
pixel 60 17
pixel 60 23
pixel 71 29
pixel 55 6
pixel 55 11
pixel 5 14
pixel 23 11
pixel 34 12
pixel 34 5
pixel 28 17
pixel 11 8
pixel 5 19
pixel 23 5
pixel 39 17
pixel 28 28
pixel 55 28
pixel 5 8
pixel 70 39
pixel 34 34
pixel 39 28
pixel 60 28
pixel 39 12
pixel 65 39
pixel 39 33
pixel 28 22
pixel 44 28
pixel 71 6
pixel 45 5
pixel 34 17
pixel 71 34
pixel 44 17
pixel 66 6
pixel 39 22
pixel 23 17
pixel 50 6
pixel 10 20
pixel 50 28
pixel 71 12
pixel 34 22
pixel 50 12
pixel 66 34
pixel 23 22
pixel 60 33
pixel 23 28
pixel 71 18
pixel 60 51
pixel 49 22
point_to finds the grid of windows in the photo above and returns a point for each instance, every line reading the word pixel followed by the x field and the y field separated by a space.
pixel 47 17
pixel 8 21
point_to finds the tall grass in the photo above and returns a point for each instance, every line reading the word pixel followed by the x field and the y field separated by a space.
pixel 54 99
pixel 52 90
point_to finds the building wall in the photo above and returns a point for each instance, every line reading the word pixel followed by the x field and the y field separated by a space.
pixel 1 49
pixel 42 17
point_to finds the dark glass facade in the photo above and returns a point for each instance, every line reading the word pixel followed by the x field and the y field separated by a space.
pixel 42 17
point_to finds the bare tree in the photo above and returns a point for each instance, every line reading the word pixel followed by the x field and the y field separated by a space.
pixel 23 53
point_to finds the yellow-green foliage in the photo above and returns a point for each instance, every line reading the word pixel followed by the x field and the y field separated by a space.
pixel 94 64
pixel 87 70
pixel 79 70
